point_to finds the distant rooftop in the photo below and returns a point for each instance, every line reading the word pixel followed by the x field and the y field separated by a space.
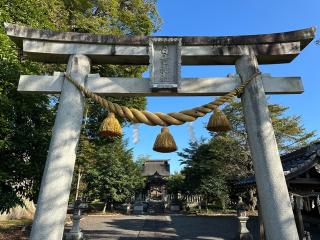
pixel 294 163
pixel 151 167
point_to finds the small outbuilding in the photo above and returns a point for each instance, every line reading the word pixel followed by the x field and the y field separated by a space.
pixel 302 172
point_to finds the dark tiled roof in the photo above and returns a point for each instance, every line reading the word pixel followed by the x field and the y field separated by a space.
pixel 293 162
pixel 150 167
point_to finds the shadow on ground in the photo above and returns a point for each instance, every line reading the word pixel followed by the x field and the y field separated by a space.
pixel 175 226
pixel 167 227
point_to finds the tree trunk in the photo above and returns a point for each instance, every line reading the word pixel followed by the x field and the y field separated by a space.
pixel 206 202
pixel 78 183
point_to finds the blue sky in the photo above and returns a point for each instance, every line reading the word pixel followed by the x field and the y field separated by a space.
pixel 233 17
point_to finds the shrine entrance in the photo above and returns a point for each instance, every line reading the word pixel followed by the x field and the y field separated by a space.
pixel 154 195
pixel 156 186
pixel 164 55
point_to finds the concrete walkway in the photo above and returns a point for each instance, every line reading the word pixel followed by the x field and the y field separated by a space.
pixel 163 227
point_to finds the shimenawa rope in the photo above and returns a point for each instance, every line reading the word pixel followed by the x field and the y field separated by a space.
pixel 159 118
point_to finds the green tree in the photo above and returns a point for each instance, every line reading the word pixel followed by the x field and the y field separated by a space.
pixel 113 177
pixel 130 18
pixel 141 159
pixel 214 187
pixel 26 120
pixel 210 165
pixel 176 184
pixel 289 132
pixel 205 171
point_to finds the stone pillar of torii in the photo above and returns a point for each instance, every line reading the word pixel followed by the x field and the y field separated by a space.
pixel 164 55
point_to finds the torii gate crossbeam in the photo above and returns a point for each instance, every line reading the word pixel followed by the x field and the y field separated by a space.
pixel 165 55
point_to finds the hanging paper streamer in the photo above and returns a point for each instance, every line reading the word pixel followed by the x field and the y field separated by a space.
pixel 135 133
pixel 192 135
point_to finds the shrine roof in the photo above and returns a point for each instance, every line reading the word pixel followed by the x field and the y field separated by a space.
pixel 210 50
pixel 294 163
pixel 150 167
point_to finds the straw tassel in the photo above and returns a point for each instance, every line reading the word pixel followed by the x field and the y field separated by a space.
pixel 164 142
pixel 218 122
pixel 110 126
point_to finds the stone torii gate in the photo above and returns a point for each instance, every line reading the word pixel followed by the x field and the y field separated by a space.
pixel 164 55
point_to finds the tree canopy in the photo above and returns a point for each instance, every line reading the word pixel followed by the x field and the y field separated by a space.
pixel 112 176
pixel 26 120
pixel 210 165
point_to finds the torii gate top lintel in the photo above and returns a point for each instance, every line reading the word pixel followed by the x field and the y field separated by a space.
pixel 56 47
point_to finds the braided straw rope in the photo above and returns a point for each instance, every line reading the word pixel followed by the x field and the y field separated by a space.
pixel 159 118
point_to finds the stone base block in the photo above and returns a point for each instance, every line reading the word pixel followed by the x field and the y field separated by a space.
pixel 245 236
pixel 138 208
pixel 175 208
pixel 73 236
